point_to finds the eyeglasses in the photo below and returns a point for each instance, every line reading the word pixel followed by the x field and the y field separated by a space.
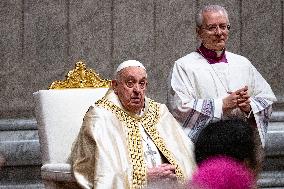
pixel 214 28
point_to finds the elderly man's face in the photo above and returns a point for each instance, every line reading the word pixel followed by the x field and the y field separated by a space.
pixel 130 88
pixel 214 31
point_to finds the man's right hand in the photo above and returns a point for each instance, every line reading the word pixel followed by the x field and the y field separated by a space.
pixel 232 100
pixel 163 171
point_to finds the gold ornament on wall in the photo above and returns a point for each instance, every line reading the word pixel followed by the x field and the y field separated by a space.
pixel 81 77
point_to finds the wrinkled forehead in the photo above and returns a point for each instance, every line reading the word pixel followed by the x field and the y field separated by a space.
pixel 137 73
pixel 215 17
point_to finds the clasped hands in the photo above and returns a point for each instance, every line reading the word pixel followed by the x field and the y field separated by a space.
pixel 237 99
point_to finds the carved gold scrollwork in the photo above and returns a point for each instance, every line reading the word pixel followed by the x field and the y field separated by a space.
pixel 81 77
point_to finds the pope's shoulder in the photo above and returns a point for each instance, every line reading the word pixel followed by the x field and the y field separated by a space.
pixel 162 107
pixel 95 110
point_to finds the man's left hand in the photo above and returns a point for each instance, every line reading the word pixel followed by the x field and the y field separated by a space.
pixel 244 102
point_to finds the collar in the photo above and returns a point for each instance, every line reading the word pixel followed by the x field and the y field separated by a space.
pixel 211 56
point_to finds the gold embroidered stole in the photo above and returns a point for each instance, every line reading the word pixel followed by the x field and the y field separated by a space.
pixel 135 148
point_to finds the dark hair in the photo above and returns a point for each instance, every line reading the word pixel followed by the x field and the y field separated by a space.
pixel 233 138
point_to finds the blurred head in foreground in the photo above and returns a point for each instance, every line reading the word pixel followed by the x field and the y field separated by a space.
pixel 221 172
pixel 232 138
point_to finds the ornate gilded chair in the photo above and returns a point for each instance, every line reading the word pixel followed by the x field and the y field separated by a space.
pixel 59 114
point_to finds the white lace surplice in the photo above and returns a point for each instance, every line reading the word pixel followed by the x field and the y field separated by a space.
pixel 197 90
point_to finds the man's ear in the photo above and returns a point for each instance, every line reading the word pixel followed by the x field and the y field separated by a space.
pixel 198 31
pixel 114 85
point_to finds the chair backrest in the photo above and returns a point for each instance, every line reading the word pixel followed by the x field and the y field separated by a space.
pixel 59 115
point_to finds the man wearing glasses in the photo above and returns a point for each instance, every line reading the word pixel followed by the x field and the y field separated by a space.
pixel 212 84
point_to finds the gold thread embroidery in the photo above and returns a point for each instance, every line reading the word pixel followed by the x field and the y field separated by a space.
pixel 148 121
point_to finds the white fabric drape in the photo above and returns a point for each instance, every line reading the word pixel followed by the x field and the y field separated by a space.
pixel 100 155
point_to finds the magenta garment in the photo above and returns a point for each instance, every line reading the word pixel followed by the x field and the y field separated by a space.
pixel 211 56
pixel 222 172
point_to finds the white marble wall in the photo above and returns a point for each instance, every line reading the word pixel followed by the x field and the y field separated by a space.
pixel 19 153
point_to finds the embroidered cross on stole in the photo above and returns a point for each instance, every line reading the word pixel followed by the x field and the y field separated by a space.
pixel 151 153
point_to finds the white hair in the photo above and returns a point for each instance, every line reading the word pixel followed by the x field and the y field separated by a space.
pixel 209 8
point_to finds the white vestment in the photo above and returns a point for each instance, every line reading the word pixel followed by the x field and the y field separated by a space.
pixel 108 152
pixel 197 89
